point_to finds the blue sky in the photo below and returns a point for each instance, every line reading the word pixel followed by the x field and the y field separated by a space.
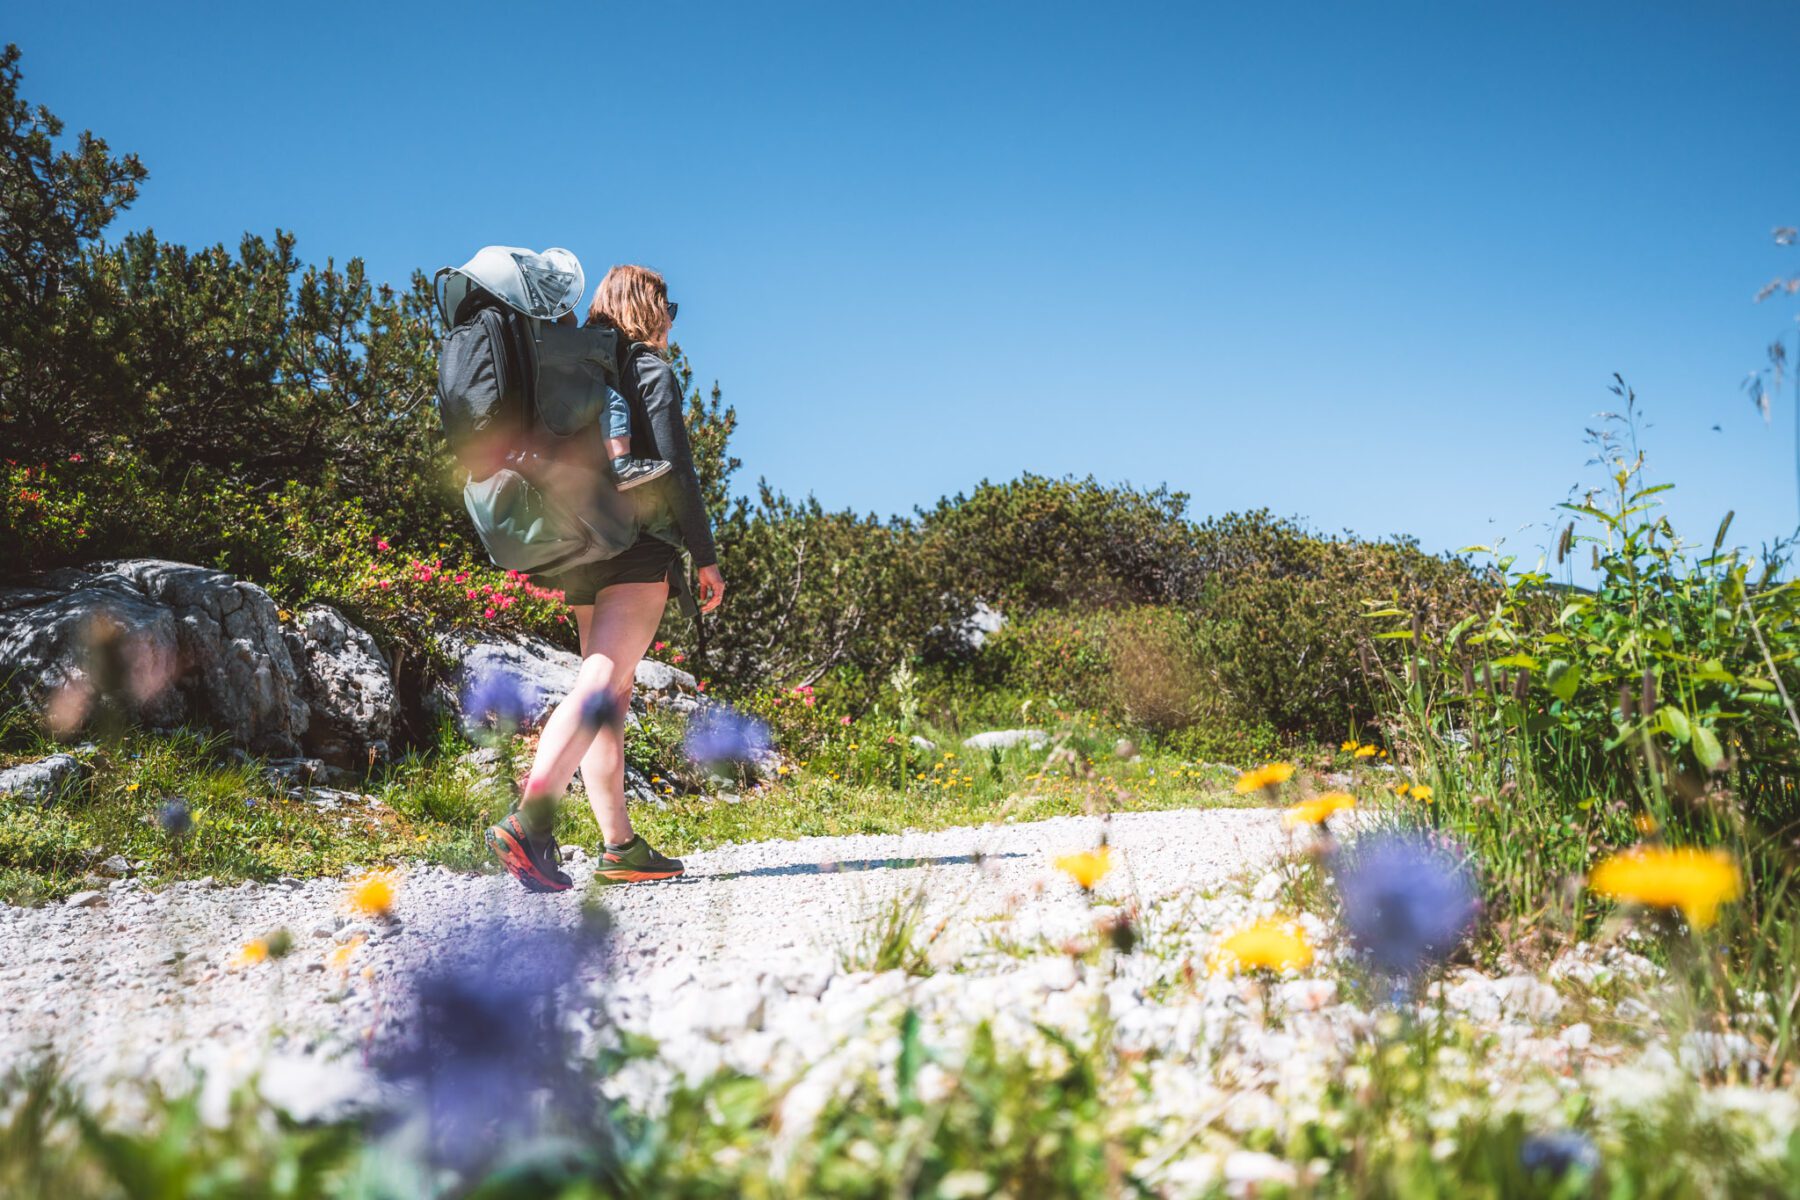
pixel 1372 265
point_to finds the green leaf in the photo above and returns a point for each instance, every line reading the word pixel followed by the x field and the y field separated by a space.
pixel 1713 671
pixel 1706 747
pixel 1676 722
pixel 1518 661
pixel 1562 678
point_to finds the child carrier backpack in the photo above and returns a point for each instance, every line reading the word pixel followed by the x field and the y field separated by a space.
pixel 506 374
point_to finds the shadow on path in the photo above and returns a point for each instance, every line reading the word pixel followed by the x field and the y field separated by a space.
pixel 898 862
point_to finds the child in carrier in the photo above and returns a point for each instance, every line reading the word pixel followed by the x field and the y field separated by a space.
pixel 546 287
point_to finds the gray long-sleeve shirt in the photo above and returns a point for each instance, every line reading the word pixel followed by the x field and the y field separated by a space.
pixel 659 430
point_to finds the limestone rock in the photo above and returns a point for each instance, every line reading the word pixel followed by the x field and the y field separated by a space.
pixel 158 642
pixel 44 780
pixel 349 687
pixel 1005 739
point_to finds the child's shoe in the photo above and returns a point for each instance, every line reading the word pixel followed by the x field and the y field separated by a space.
pixel 629 472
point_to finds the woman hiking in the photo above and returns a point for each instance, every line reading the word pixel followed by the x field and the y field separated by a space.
pixel 618 603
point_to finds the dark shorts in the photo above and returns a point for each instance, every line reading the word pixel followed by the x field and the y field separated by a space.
pixel 648 560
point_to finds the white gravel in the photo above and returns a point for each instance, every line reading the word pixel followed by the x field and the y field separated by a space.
pixel 141 984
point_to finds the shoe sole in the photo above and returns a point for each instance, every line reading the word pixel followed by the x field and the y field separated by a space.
pixel 518 863
pixel 638 876
pixel 643 479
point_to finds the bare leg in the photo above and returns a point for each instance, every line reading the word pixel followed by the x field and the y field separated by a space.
pixel 622 633
pixel 614 634
pixel 618 447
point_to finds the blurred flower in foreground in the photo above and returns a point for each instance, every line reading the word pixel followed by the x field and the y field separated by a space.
pixel 1695 881
pixel 262 949
pixel 175 819
pixel 1264 777
pixel 1405 901
pixel 1268 945
pixel 484 1054
pixel 494 698
pixel 1086 868
pixel 1318 809
pixel 251 952
pixel 373 894
pixel 339 959
pixel 718 735
pixel 1366 751
pixel 1558 1154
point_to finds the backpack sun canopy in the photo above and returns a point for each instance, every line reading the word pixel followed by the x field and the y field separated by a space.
pixel 541 284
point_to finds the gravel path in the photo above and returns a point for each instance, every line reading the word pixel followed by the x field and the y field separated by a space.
pixel 142 984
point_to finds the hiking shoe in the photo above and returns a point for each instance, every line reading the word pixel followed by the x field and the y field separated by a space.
pixel 636 862
pixel 536 864
pixel 630 472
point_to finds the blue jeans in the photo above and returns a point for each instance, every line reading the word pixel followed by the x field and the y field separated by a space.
pixel 617 422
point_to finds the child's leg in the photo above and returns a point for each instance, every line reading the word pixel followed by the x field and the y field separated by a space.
pixel 616 425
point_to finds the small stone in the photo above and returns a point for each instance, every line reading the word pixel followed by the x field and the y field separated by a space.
pixel 85 899
pixel 114 866
pixel 1578 1036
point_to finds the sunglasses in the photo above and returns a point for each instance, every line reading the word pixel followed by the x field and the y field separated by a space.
pixel 673 309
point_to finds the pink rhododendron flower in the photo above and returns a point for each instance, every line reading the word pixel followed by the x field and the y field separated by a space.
pixel 382 544
pixel 488 613
pixel 844 720
pixel 680 657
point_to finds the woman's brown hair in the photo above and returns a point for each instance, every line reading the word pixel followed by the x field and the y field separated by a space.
pixel 633 300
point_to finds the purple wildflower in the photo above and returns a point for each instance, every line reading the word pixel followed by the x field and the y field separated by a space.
pixel 1558 1154
pixel 720 736
pixel 1406 901
pixel 174 818
pixel 486 1043
pixel 494 696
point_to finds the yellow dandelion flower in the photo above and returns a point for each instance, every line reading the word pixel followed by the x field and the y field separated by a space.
pixel 1400 789
pixel 1695 881
pixel 1365 751
pixel 1086 868
pixel 783 769
pixel 373 894
pixel 1422 792
pixel 1318 809
pixel 132 787
pixel 339 959
pixel 1349 747
pixel 1265 777
pixel 252 952
pixel 1268 945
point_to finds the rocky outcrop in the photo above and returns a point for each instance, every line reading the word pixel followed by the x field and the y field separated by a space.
pixel 348 687
pixel 157 643
pixel 161 644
